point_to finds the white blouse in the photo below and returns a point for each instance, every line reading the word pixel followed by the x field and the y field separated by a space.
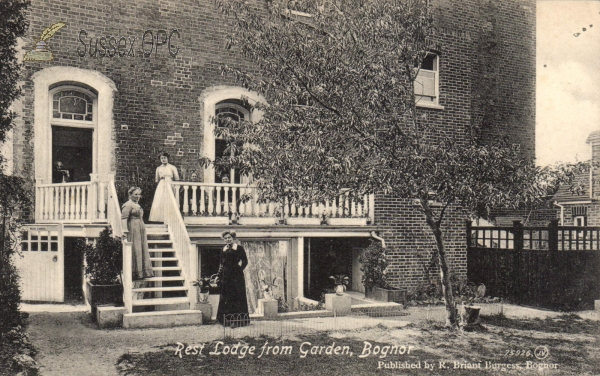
pixel 167 170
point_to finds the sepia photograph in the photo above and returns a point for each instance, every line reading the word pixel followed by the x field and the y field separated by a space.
pixel 299 187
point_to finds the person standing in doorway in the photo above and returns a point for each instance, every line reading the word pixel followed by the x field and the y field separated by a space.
pixel 233 305
pixel 60 174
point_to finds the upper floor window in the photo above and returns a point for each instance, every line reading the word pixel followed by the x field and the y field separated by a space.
pixel 233 111
pixel 427 82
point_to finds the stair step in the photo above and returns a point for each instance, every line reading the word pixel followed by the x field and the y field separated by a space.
pixel 152 289
pixel 163 259
pixel 156 228
pixel 173 268
pixel 158 279
pixel 159 241
pixel 162 319
pixel 161 250
pixel 160 301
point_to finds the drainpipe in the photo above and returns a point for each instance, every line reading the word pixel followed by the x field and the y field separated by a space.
pixel 374 236
pixel 591 182
pixel 562 212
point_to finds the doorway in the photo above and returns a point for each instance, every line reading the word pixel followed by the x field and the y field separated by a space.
pixel 73 147
pixel 73 276
pixel 326 257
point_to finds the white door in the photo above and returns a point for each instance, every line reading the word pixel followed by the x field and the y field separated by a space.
pixel 41 264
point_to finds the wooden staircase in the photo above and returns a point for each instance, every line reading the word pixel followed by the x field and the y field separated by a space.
pixel 163 300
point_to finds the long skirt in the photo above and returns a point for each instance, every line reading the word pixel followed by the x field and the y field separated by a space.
pixel 140 257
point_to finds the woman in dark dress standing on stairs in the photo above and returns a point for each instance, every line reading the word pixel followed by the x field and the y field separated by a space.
pixel 233 306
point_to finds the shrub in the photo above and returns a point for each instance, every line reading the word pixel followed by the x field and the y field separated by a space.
pixel 373 265
pixel 104 261
pixel 10 296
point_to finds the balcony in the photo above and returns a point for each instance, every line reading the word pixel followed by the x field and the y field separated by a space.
pixel 81 202
pixel 223 204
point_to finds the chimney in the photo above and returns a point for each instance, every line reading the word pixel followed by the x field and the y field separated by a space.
pixel 594 140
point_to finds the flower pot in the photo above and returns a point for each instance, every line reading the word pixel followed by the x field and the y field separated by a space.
pixel 98 295
pixel 203 296
pixel 339 290
pixel 303 221
pixel 386 295
pixel 347 221
pixel 469 315
pixel 257 221
pixel 206 220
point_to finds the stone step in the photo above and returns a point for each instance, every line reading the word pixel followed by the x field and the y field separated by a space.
pixel 160 301
pixel 153 289
pixel 159 241
pixel 161 250
pixel 162 319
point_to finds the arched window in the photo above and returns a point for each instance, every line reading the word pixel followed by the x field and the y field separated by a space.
pixel 224 101
pixel 73 120
pixel 234 111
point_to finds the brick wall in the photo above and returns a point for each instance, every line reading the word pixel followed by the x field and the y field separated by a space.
pixel 156 107
pixel 487 83
pixel 487 88
pixel 593 214
pixel 411 245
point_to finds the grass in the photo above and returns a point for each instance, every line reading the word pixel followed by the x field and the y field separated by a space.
pixel 572 344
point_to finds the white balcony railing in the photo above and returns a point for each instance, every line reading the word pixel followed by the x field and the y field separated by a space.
pixel 81 202
pixel 219 199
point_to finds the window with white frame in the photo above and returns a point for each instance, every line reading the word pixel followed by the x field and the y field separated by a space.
pixel 427 82
pixel 234 111
pixel 580 216
pixel 580 221
pixel 73 121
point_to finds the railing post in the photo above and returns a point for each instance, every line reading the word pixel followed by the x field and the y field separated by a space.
pixel 93 204
pixel 39 201
pixel 193 275
pixel 186 202
pixel 127 277
pixel 518 232
pixel 553 235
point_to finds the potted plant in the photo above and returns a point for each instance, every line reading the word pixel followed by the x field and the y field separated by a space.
pixel 373 266
pixel 467 294
pixel 204 285
pixel 104 264
pixel 340 281
pixel 268 289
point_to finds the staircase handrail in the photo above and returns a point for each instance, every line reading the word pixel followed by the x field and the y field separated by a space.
pixel 182 244
pixel 114 220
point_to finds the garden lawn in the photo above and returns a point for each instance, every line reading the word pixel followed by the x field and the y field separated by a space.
pixel 564 345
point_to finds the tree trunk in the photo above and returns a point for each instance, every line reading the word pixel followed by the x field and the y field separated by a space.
pixel 451 316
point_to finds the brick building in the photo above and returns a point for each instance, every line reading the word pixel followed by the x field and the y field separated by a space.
pixel 129 80
pixel 581 208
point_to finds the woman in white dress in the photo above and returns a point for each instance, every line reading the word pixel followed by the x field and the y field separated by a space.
pixel 164 174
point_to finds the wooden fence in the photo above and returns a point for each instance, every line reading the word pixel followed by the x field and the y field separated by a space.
pixel 551 267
